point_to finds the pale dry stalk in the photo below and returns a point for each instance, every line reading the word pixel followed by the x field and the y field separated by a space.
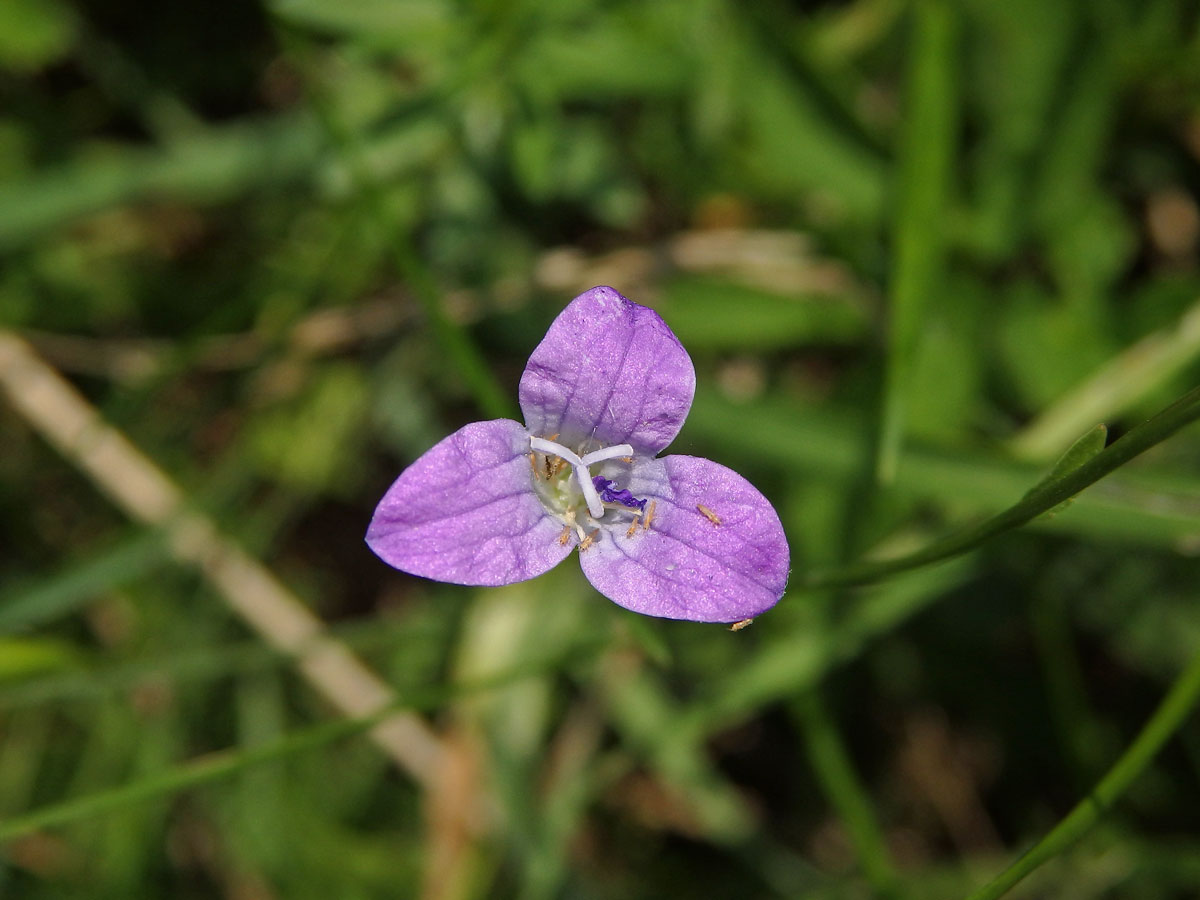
pixel 133 482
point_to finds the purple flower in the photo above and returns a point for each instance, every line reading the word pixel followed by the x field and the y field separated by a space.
pixel 605 391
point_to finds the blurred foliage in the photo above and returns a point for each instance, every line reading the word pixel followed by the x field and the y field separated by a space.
pixel 286 247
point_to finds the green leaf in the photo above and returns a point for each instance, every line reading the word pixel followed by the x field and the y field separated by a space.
pixel 207 168
pixel 1080 452
pixel 375 22
pixel 23 657
pixel 715 315
pixel 1031 337
pixel 792 146
pixel 305 445
pixel 34 33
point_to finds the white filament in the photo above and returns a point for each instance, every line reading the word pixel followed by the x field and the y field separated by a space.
pixel 614 452
pixel 580 467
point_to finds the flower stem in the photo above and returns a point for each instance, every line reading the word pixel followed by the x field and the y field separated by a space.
pixel 1044 497
pixel 1167 719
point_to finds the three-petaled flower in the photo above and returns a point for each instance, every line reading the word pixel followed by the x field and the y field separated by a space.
pixel 605 391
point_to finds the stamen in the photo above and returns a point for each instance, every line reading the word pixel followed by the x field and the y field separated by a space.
pixel 708 514
pixel 617 451
pixel 595 507
pixel 545 446
pixel 569 523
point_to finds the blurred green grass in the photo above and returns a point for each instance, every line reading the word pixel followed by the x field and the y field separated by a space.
pixel 285 248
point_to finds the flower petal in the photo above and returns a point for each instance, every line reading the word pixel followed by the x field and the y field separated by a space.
pixel 714 551
pixel 465 512
pixel 610 370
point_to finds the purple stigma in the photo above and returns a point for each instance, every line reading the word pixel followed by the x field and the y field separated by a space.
pixel 609 495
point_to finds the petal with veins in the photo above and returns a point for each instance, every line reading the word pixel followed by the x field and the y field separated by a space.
pixel 608 371
pixel 685 566
pixel 465 512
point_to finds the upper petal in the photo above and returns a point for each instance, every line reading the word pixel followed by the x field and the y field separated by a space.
pixel 724 566
pixel 466 513
pixel 611 370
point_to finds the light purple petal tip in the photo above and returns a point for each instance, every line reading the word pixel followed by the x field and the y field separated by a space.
pixel 611 370
pixel 714 551
pixel 465 512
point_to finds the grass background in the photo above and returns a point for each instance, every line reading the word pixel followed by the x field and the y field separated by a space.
pixel 916 249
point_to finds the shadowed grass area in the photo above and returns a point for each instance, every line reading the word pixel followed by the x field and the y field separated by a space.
pixel 256 260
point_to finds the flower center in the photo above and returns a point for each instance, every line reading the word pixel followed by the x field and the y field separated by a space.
pixel 564 487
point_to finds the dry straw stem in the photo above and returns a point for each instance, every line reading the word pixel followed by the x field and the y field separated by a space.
pixel 132 360
pixel 55 409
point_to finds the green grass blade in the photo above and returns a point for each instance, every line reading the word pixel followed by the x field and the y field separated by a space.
pixel 64 592
pixel 835 771
pixel 202 771
pixel 226 763
pixel 923 186
pixel 210 167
